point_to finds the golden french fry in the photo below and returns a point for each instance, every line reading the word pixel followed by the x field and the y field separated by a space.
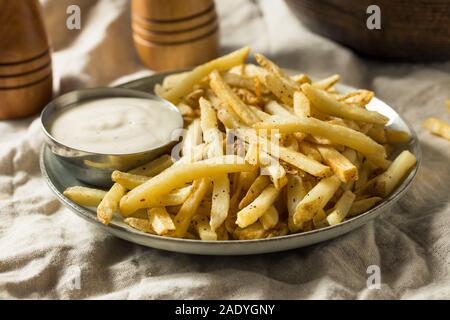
pixel 192 138
pixel 335 133
pixel 301 78
pixel 395 174
pixel 281 90
pixel 223 91
pixel 395 136
pixel 127 180
pixel 228 120
pixel 259 113
pixel 110 203
pixel 140 224
pixel 220 201
pixel 177 176
pixel 154 167
pixel 173 80
pixel 438 127
pixel 327 104
pixel 235 58
pixel 252 155
pixel 310 150
pixel 364 175
pixel 296 191
pixel 302 106
pixel 85 196
pixel 316 199
pixel 274 108
pixel 363 205
pixel 187 211
pixel 327 83
pixel 251 213
pixel 203 228
pixel 341 209
pixel 252 232
pixel 254 191
pixel 343 168
pixel 270 219
pixel 160 220
pixel 378 134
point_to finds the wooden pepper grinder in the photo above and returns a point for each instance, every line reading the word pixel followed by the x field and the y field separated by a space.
pixel 173 34
pixel 25 62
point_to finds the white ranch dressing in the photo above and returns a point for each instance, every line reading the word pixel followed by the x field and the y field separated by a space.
pixel 116 125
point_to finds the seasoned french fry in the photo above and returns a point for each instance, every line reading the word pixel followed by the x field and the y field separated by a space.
pixel 281 90
pixel 260 114
pixel 302 106
pixel 326 104
pixel 335 133
pixel 237 80
pixel 252 155
pixel 251 213
pixel 252 232
pixel 154 167
pixel 296 191
pixel 438 127
pixel 358 97
pixel 220 201
pixel 228 120
pixel 177 176
pixel 274 108
pixel 173 80
pixel 342 167
pixel 85 196
pixel 160 220
pixel 327 83
pixel 316 199
pixel 341 209
pixel 301 78
pixel 203 228
pixel 254 191
pixel 127 180
pixel 223 91
pixel 192 138
pixel 110 203
pixel 395 136
pixel 395 174
pixel 364 175
pixel 235 58
pixel 270 219
pixel 187 211
pixel 310 150
pixel 363 205
pixel 140 224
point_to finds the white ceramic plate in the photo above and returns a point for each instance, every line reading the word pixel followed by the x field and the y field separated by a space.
pixel 59 178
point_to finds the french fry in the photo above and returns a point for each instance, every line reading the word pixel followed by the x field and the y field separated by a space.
pixel 259 113
pixel 327 83
pixel 274 108
pixel 395 174
pixel 345 170
pixel 270 219
pixel 223 91
pixel 192 138
pixel 378 134
pixel 228 120
pixel 251 213
pixel 177 176
pixel 310 150
pixel 316 199
pixel 252 155
pixel 364 175
pixel 237 80
pixel 335 133
pixel 363 205
pixel 220 201
pixel 187 211
pixel 296 191
pixel 235 58
pixel 127 180
pixel 320 219
pixel 160 220
pixel 302 106
pixel 301 78
pixel 254 191
pixel 252 232
pixel 438 127
pixel 140 224
pixel 203 228
pixel 358 97
pixel 85 196
pixel 395 136
pixel 326 104
pixel 341 209
pixel 110 203
pixel 173 80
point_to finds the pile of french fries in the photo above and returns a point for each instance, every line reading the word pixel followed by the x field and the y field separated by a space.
pixel 265 154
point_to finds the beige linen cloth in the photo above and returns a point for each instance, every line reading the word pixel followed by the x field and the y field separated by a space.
pixel 42 244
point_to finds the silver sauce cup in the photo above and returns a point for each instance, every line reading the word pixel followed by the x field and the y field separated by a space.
pixel 96 168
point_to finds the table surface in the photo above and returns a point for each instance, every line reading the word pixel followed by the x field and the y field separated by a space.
pixel 47 252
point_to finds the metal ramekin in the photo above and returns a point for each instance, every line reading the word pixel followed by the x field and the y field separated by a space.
pixel 96 168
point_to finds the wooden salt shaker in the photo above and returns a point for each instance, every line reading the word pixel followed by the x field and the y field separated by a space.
pixel 174 34
pixel 25 62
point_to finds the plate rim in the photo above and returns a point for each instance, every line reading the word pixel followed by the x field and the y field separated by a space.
pixel 361 219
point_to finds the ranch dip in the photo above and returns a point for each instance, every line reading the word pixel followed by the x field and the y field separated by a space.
pixel 116 125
